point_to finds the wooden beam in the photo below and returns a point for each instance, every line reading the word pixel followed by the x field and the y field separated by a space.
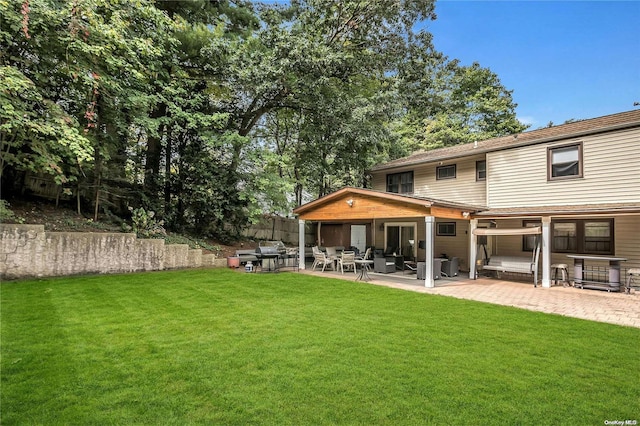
pixel 447 213
pixel 362 207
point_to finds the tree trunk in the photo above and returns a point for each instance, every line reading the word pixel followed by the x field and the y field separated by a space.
pixel 167 171
pixel 153 156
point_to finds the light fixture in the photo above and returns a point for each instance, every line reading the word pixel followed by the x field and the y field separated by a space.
pixel 350 202
pixel 465 215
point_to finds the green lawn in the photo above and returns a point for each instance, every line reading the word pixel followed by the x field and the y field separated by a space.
pixel 224 347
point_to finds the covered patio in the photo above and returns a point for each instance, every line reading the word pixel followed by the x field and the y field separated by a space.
pixel 423 229
pixel 363 218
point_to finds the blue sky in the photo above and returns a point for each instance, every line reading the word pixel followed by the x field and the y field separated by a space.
pixel 562 59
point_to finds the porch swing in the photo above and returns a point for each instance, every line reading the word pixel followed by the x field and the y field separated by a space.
pixel 511 264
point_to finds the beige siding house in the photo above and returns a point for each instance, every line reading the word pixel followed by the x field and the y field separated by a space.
pixel 610 162
pixel 467 188
pixel 581 178
pixel 578 182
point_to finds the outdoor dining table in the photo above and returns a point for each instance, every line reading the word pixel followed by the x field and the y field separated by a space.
pixel 364 269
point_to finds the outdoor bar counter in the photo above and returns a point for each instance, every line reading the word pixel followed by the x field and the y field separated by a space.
pixel 596 277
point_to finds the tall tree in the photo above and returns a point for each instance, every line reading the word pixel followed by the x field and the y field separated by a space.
pixel 444 103
pixel 330 63
pixel 89 60
pixel 213 112
pixel 188 175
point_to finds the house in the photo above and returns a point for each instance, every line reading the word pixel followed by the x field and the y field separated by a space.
pixel 576 184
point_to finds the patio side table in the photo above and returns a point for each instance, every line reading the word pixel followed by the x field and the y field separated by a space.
pixel 364 269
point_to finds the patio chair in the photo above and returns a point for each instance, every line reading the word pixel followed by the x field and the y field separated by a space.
pixel 384 265
pixel 319 258
pixel 366 255
pixel 348 259
pixel 390 251
pixel 314 251
pixel 451 268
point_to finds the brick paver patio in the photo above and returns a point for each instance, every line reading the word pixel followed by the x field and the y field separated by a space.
pixel 594 305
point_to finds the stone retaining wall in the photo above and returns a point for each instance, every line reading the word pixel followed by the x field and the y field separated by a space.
pixel 27 251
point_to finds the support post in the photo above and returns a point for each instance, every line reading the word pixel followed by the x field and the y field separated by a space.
pixel 546 252
pixel 374 227
pixel 473 249
pixel 429 240
pixel 301 230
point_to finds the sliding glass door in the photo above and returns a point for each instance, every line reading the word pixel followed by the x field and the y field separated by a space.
pixel 400 238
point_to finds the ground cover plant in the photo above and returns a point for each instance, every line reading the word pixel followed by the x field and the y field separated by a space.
pixel 225 347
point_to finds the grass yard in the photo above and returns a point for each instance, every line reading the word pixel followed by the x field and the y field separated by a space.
pixel 223 347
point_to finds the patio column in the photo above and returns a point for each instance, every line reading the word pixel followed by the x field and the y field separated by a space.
pixel 546 252
pixel 430 225
pixel 301 244
pixel 473 249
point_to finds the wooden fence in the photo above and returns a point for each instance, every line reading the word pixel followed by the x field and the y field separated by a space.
pixel 276 228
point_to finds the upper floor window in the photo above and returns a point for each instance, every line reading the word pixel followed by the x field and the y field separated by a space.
pixel 401 183
pixel 588 236
pixel 446 172
pixel 481 170
pixel 564 161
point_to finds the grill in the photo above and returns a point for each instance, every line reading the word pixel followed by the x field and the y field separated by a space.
pixel 269 255
pixel 271 245
pixel 268 251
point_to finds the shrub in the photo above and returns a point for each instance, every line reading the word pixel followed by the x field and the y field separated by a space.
pixel 5 212
pixel 144 225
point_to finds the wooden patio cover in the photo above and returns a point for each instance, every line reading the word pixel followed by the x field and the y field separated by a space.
pixel 351 203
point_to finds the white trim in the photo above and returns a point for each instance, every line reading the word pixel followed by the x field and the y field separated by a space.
pixel 546 251
pixel 473 248
pixel 301 244
pixel 430 228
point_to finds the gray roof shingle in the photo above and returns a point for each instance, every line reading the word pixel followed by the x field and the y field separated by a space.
pixel 575 129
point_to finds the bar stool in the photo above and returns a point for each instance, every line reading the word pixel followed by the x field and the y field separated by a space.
pixel 633 274
pixel 562 267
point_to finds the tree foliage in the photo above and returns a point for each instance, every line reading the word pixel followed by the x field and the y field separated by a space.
pixel 36 134
pixel 213 113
